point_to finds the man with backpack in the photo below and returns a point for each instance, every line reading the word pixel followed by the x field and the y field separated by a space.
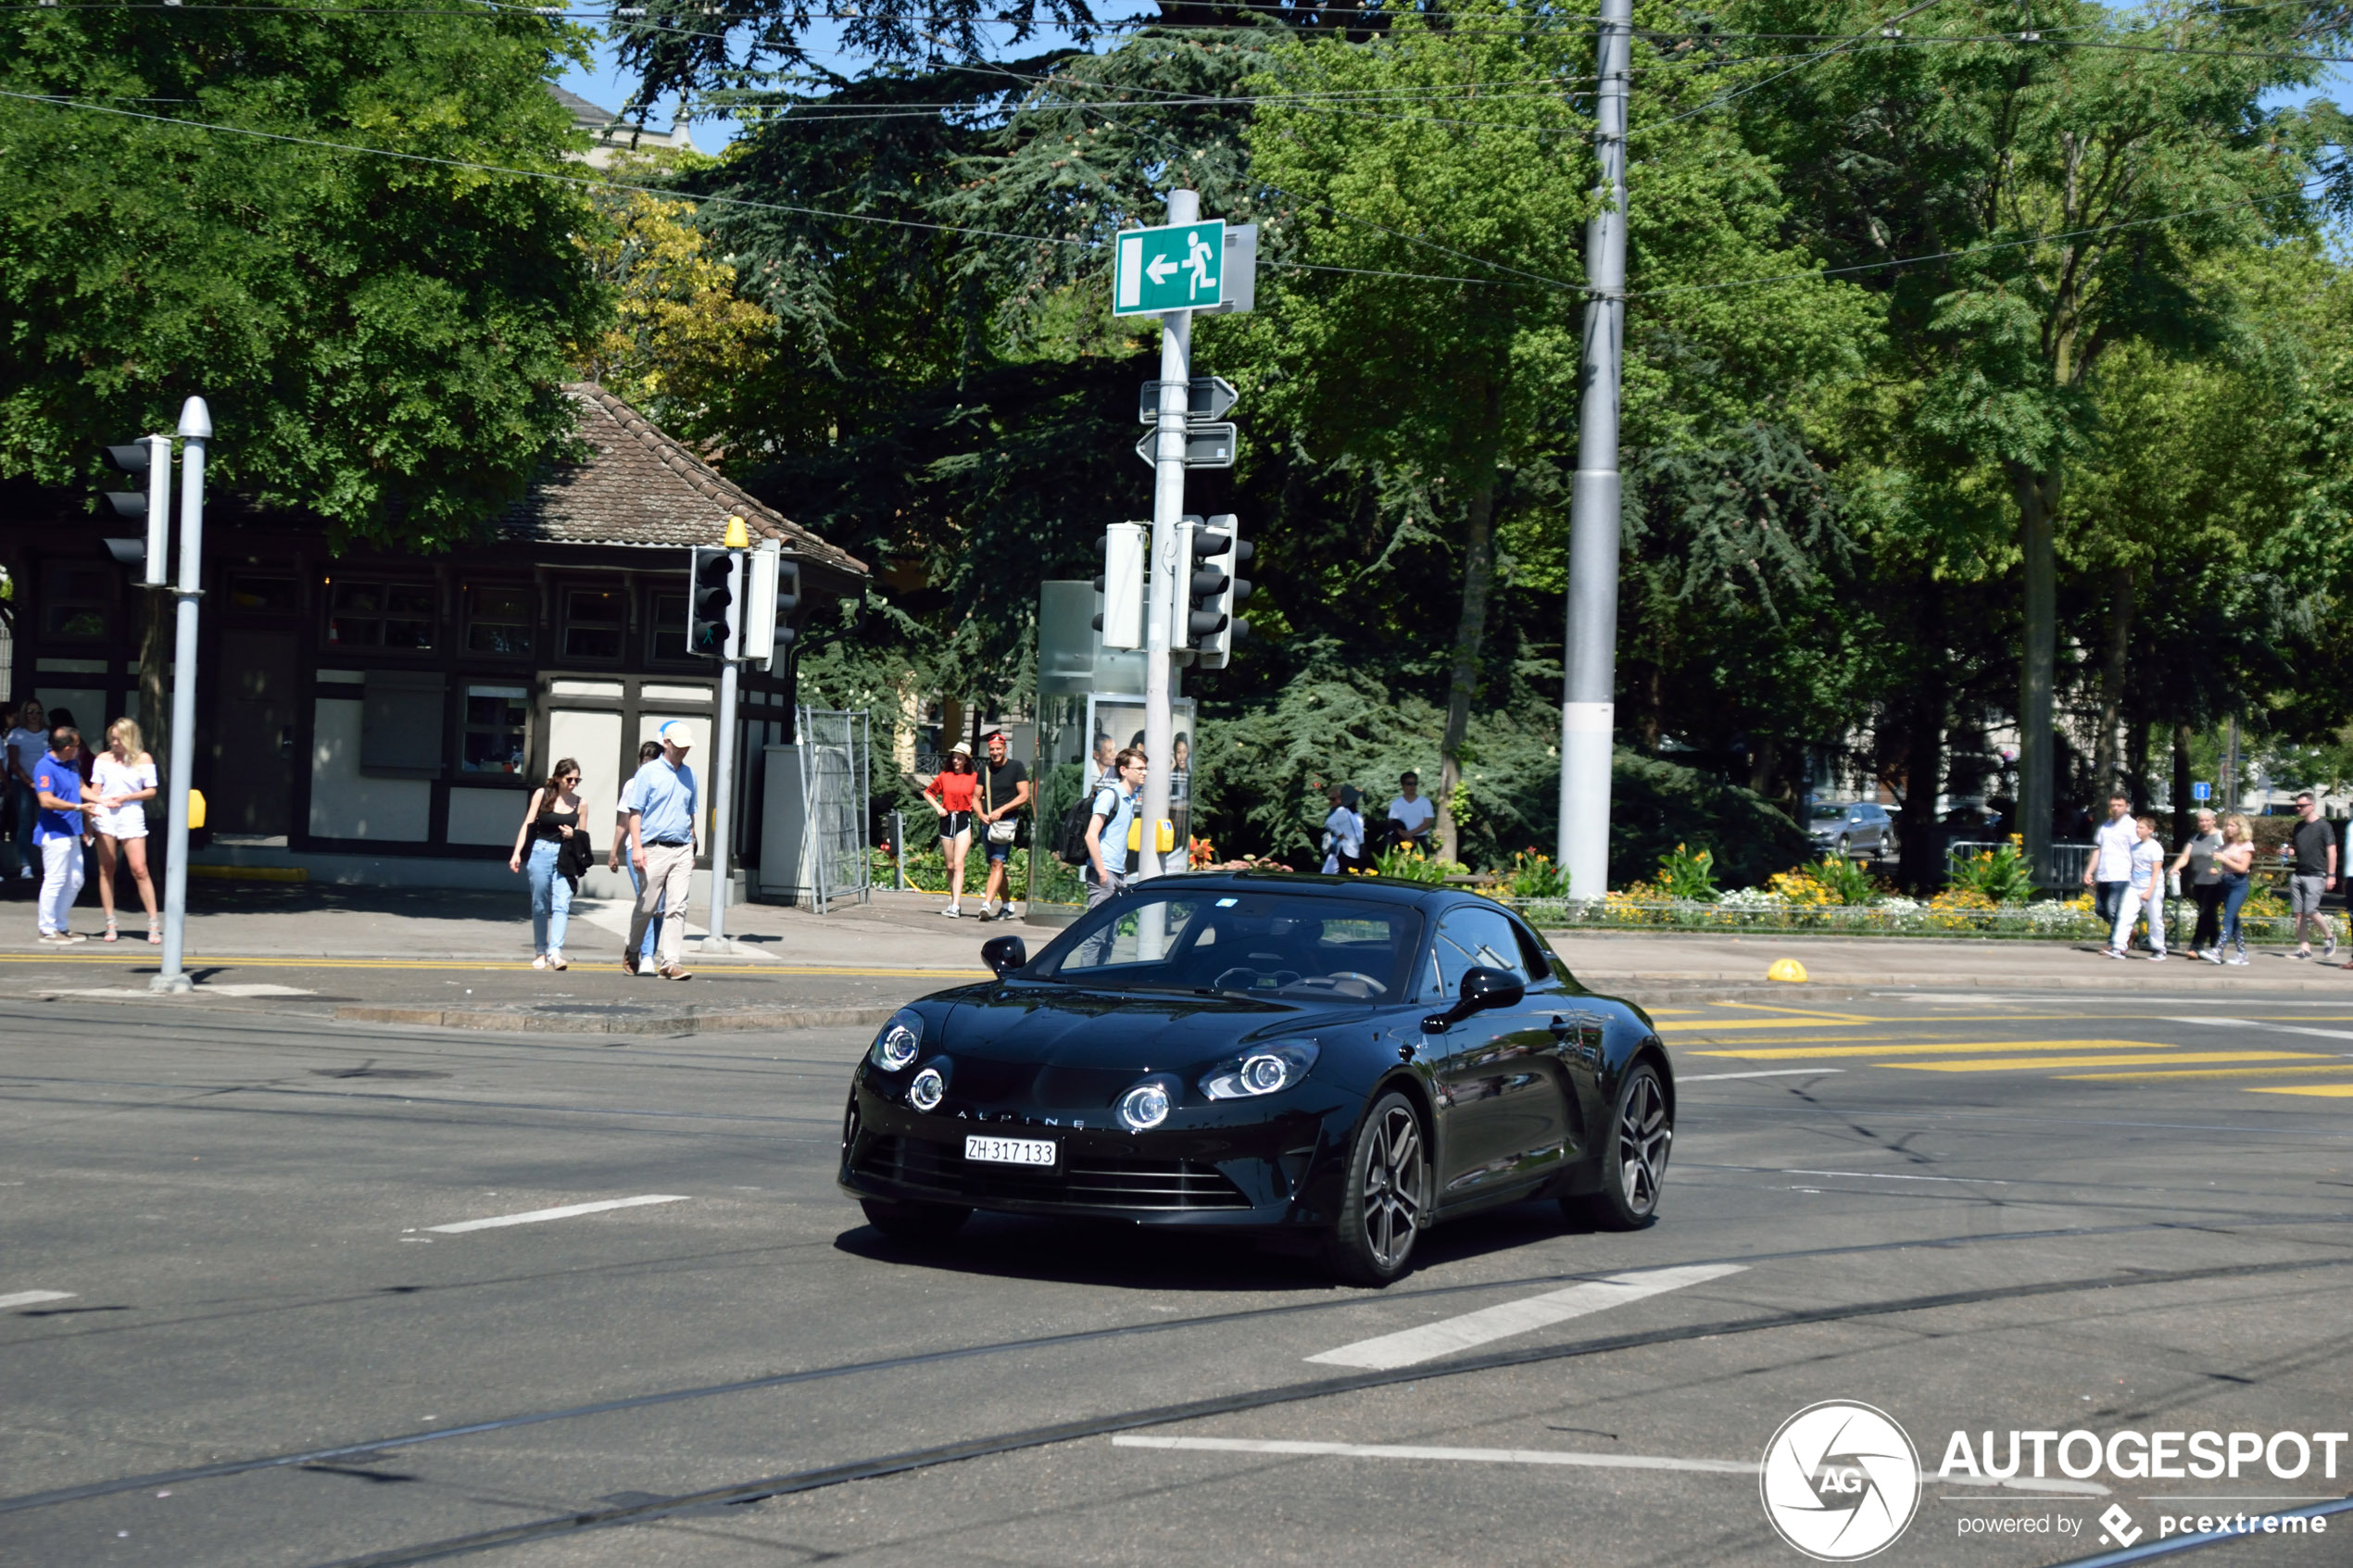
pixel 1109 817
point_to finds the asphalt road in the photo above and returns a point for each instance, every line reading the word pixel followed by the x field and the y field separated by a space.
pixel 230 1333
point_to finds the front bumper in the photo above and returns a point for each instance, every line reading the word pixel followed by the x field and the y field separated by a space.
pixel 1251 1167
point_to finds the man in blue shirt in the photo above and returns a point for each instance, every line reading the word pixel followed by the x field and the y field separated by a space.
pixel 663 817
pixel 56 784
pixel 1116 799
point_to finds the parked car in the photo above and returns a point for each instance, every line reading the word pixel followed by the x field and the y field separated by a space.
pixel 1350 1058
pixel 1861 829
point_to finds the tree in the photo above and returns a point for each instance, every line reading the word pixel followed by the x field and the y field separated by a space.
pixel 379 327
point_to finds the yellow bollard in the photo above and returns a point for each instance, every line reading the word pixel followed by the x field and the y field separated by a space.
pixel 1786 968
pixel 195 808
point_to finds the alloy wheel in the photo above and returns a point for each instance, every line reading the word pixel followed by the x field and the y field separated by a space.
pixel 1394 1176
pixel 1643 1140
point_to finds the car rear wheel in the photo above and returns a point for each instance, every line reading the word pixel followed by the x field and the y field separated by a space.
pixel 915 1223
pixel 1387 1193
pixel 1634 1159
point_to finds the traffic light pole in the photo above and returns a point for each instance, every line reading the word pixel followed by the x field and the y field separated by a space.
pixel 1588 714
pixel 195 429
pixel 723 763
pixel 1168 509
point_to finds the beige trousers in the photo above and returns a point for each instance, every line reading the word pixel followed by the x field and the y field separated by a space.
pixel 667 868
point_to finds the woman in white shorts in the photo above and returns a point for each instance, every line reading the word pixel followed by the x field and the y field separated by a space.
pixel 122 778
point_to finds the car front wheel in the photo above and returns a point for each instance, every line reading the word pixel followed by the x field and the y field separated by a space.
pixel 1387 1193
pixel 915 1223
pixel 1634 1157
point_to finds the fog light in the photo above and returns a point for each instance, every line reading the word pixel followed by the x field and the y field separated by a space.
pixel 927 1090
pixel 1145 1106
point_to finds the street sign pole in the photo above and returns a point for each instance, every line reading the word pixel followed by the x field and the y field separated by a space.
pixel 1169 505
pixel 1587 715
pixel 195 429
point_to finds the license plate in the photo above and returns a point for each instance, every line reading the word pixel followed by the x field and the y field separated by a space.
pixel 1010 1151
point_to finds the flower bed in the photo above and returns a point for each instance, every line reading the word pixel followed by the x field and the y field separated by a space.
pixel 1948 914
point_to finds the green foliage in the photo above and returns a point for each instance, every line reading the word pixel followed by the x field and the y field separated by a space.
pixel 381 340
pixel 1657 805
pixel 1533 876
pixel 1687 873
pixel 2000 874
pixel 1847 880
pixel 1407 862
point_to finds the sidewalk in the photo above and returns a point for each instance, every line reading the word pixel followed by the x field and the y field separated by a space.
pixel 462 959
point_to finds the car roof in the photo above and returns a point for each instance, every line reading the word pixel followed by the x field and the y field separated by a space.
pixel 1378 890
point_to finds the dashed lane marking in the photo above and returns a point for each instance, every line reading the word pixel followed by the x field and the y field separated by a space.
pixel 533 1216
pixel 1447 1336
pixel 2333 1091
pixel 2274 1028
pixel 1935 1048
pixel 1418 1451
pixel 2158 1075
pixel 33 1297
pixel 2032 1063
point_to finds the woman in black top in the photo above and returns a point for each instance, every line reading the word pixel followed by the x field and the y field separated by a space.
pixel 558 854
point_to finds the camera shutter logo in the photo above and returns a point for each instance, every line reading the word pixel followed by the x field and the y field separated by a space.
pixel 1840 1481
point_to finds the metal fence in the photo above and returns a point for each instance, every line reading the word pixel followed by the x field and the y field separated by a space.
pixel 835 748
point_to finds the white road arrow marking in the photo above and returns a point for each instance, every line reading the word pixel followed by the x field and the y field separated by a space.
pixel 534 1216
pixel 1444 1337
pixel 1160 268
pixel 33 1297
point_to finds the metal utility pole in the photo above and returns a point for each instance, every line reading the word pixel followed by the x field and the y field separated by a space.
pixel 1587 712
pixel 1168 509
pixel 195 429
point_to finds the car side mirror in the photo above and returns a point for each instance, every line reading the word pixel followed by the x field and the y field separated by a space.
pixel 1483 988
pixel 1004 953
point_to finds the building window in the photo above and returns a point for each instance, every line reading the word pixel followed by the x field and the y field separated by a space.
pixel 262 595
pixel 594 621
pixel 498 620
pixel 76 601
pixel 670 628
pixel 381 615
pixel 498 730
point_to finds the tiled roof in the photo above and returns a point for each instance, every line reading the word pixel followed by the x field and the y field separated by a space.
pixel 643 488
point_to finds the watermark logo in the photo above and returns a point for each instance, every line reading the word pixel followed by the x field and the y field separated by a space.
pixel 1840 1481
pixel 2119 1525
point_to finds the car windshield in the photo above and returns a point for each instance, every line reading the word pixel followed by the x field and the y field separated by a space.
pixel 1829 813
pixel 1218 941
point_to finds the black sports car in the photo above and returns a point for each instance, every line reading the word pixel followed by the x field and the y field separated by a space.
pixel 1349 1056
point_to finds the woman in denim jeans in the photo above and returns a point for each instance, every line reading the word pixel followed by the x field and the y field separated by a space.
pixel 2232 862
pixel 552 828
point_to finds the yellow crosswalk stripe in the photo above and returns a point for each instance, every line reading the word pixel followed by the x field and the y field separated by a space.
pixel 1948 1047
pixel 2030 1063
pixel 2334 1091
pixel 1683 1024
pixel 2204 1072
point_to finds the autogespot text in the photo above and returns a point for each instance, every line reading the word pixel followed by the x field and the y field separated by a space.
pixel 2147 1456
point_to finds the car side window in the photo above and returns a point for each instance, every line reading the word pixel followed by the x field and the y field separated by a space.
pixel 1536 957
pixel 1469 939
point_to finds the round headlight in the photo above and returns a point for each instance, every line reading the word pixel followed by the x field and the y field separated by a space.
pixel 899 1042
pixel 1260 1072
pixel 927 1090
pixel 1144 1106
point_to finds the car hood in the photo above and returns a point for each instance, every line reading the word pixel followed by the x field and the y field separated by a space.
pixel 1069 1047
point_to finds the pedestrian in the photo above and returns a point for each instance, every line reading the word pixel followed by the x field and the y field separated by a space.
pixel 1108 825
pixel 1343 831
pixel 1004 794
pixel 123 778
pixel 557 854
pixel 2313 844
pixel 2232 863
pixel 2204 884
pixel 2111 865
pixel 1106 763
pixel 1412 815
pixel 57 788
pixel 663 834
pixel 2144 889
pixel 646 752
pixel 28 742
pixel 950 794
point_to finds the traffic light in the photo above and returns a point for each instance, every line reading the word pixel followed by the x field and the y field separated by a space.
pixel 149 458
pixel 1124 548
pixel 710 630
pixel 1213 591
pixel 787 602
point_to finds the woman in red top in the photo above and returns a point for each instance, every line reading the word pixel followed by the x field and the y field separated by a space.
pixel 951 795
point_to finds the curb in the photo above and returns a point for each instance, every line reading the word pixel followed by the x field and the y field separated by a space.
pixel 685 1022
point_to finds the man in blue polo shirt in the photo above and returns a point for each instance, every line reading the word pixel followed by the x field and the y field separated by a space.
pixel 56 784
pixel 662 822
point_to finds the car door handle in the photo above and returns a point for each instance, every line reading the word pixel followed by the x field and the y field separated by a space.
pixel 1561 1026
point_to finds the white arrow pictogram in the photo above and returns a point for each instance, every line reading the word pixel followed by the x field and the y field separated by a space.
pixel 1160 268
